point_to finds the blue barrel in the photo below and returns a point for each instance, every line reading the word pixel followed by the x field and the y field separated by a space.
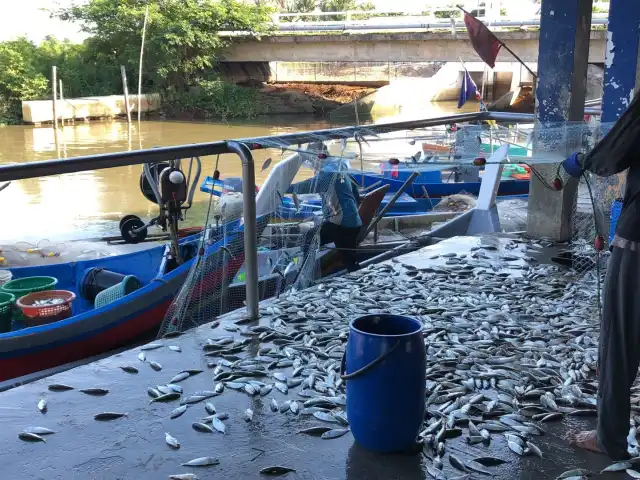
pixel 385 375
pixel 616 208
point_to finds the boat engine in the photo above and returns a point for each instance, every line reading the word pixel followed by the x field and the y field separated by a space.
pixel 166 185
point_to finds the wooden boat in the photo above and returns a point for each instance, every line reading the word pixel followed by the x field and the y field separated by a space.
pixel 92 331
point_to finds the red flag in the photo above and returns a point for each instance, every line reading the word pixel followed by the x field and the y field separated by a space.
pixel 485 43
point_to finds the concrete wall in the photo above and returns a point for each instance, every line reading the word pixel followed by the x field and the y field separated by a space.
pixel 384 47
pixel 39 111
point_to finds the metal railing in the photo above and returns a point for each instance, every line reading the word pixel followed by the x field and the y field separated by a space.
pixel 242 148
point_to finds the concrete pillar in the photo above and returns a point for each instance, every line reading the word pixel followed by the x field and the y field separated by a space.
pixel 565 27
pixel 621 58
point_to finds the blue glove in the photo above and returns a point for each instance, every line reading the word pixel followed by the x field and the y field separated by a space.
pixel 572 164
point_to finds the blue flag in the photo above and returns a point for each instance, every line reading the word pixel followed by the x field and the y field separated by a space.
pixel 468 90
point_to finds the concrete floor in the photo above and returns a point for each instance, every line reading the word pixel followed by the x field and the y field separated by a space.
pixel 134 447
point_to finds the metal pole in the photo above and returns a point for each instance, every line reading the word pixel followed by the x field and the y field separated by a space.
pixel 393 200
pixel 54 88
pixel 126 93
pixel 144 33
pixel 62 100
pixel 250 226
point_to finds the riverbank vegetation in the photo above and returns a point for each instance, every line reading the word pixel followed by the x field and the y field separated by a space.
pixel 182 48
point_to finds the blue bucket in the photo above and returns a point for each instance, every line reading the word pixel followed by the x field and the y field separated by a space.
pixel 384 367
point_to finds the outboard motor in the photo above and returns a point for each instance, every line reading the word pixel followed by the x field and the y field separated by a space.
pixel 165 184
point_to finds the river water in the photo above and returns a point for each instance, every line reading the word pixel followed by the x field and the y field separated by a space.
pixel 90 204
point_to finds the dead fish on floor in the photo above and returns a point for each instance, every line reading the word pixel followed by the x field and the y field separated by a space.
pixel 576 472
pixel 179 411
pixel 38 430
pixel 218 425
pixel 156 366
pixel 142 357
pixel 632 473
pixel 105 416
pixel 201 462
pixel 210 408
pixel 202 427
pixel 173 334
pixel 175 348
pixel 99 392
pixel 171 441
pixel 616 467
pixel 167 397
pixel 315 431
pixel 129 369
pixel 59 387
pixel 42 405
pixel 184 476
pixel 179 377
pixel 151 346
pixel 335 433
pixel 31 437
pixel 276 470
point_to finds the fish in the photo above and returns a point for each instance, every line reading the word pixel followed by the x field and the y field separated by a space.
pixel 184 476
pixel 174 387
pixel 489 461
pixel 281 387
pixel 142 357
pixel 153 392
pixel 175 348
pixel 248 415
pixel 167 397
pixel 171 441
pixel 276 470
pixel 179 377
pixel 266 164
pixel 457 463
pixel 218 425
pixel 616 467
pixel 178 411
pixel 38 430
pixel 106 416
pixel 210 408
pixel 315 431
pixel 59 387
pixel 202 427
pixel 193 399
pixel 31 437
pixel 335 433
pixel 515 447
pixel 533 448
pixel 43 406
pixel 476 467
pixel 151 346
pixel 274 405
pixel 99 392
pixel 129 369
pixel 156 366
pixel 201 462
pixel 435 473
pixel 632 473
pixel 576 472
pixel 172 334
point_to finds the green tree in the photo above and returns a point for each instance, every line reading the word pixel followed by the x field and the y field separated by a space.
pixel 182 35
pixel 20 78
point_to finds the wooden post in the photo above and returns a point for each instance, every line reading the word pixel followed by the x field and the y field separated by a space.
pixel 61 92
pixel 126 93
pixel 54 88
pixel 144 33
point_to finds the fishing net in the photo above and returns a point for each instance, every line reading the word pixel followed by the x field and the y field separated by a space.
pixel 290 254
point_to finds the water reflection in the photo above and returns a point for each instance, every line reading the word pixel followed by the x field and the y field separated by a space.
pixel 363 464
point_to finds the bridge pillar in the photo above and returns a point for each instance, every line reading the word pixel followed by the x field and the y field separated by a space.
pixel 621 58
pixel 565 27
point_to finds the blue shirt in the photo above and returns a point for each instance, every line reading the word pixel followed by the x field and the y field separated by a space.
pixel 339 195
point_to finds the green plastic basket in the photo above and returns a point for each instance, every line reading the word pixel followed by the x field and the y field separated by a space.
pixel 128 285
pixel 6 306
pixel 24 286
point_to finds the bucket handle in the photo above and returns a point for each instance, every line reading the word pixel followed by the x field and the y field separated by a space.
pixel 366 368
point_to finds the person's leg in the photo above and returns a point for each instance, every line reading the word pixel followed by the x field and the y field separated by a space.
pixel 618 356
pixel 328 233
pixel 348 244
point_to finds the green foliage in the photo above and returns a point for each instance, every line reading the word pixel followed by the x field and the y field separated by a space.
pixel 600 8
pixel 217 99
pixel 446 13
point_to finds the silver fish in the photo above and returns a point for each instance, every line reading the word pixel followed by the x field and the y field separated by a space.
pixel 30 437
pixel 616 467
pixel 184 476
pixel 202 427
pixel 59 387
pixel 632 473
pixel 142 357
pixel 156 366
pixel 274 405
pixel 338 432
pixel 42 405
pixel 151 346
pixel 129 369
pixel 248 415
pixel 106 416
pixel 38 430
pixel 175 348
pixel 179 411
pixel 95 391
pixel 218 425
pixel 201 462
pixel 171 441
pixel 276 470
pixel 179 377
pixel 210 408
pixel 168 397
pixel 282 387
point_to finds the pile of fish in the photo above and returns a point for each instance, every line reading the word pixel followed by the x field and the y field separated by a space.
pixel 508 350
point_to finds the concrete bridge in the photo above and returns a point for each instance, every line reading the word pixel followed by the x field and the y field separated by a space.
pixel 386 46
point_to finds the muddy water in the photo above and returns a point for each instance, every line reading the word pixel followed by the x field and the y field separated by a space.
pixel 89 204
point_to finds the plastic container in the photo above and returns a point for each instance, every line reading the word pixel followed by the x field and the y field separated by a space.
pixel 128 285
pixel 42 314
pixel 6 307
pixel 5 276
pixel 616 208
pixel 385 363
pixel 96 280
pixel 24 286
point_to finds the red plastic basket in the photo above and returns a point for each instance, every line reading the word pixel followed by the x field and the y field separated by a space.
pixel 42 314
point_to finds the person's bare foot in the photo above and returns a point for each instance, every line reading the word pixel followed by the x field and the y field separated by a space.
pixel 586 440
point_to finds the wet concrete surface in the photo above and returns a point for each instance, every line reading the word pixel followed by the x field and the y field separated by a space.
pixel 133 447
